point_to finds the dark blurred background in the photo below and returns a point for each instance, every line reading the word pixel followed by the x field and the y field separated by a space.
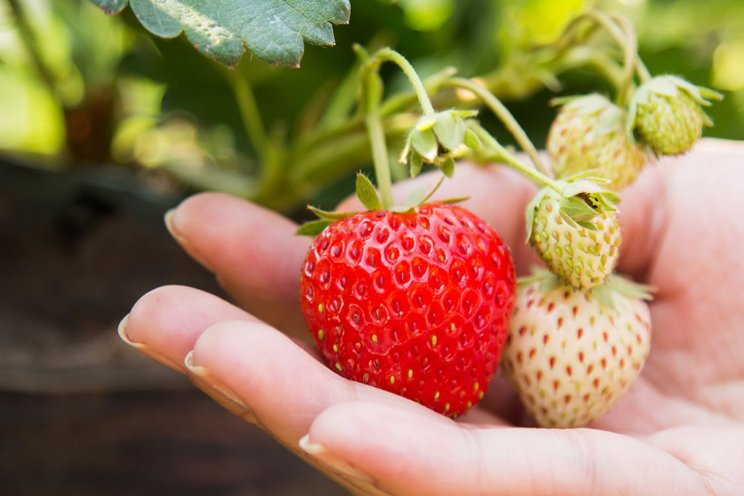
pixel 103 127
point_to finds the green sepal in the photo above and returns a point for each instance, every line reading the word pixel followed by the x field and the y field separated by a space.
pixel 313 227
pixel 547 280
pixel 669 85
pixel 424 142
pixel 456 199
pixel 416 163
pixel 448 166
pixel 617 284
pixel 578 210
pixel 472 140
pixel 532 208
pixel 367 193
pixel 418 197
pixel 449 130
pixel 328 215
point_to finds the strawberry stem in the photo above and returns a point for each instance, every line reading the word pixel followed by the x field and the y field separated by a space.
pixel 502 154
pixel 627 41
pixel 507 119
pixel 630 34
pixel 371 96
pixel 380 156
pixel 389 55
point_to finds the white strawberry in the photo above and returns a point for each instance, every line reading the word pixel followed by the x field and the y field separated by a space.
pixel 572 354
pixel 589 134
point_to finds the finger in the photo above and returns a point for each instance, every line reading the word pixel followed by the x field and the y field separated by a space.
pixel 403 453
pixel 283 385
pixel 680 202
pixel 166 322
pixel 254 253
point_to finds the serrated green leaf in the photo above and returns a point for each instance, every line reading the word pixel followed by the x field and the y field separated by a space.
pixel 425 143
pixel 367 193
pixel 449 130
pixel 111 6
pixel 313 227
pixel 273 30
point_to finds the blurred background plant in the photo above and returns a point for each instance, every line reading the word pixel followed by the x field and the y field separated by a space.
pixel 79 88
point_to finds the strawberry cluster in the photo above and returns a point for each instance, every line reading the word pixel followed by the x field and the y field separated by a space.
pixel 580 334
pixel 421 299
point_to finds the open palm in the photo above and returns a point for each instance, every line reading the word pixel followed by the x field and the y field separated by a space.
pixel 680 429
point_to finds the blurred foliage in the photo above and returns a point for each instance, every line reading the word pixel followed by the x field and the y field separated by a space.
pixel 78 87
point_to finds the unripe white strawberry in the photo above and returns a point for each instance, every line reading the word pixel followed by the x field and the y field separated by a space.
pixel 590 134
pixel 573 354
pixel 667 113
pixel 579 241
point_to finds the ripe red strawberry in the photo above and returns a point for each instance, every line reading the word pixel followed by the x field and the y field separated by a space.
pixel 572 354
pixel 416 303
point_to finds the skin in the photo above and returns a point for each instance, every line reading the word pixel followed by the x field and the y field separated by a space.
pixel 680 429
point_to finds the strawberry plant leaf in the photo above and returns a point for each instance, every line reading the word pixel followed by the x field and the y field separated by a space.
pixel 367 193
pixel 273 30
pixel 313 227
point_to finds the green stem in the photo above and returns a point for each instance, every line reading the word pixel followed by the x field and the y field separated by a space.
pixel 249 113
pixel 627 41
pixel 630 34
pixel 503 154
pixel 507 119
pixel 389 55
pixel 380 157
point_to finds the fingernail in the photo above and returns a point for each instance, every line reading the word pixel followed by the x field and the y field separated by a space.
pixel 122 331
pixel 169 222
pixel 342 468
pixel 222 395
pixel 170 225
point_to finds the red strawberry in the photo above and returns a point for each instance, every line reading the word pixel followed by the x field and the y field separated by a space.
pixel 416 303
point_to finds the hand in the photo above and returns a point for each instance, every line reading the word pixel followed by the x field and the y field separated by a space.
pixel 680 429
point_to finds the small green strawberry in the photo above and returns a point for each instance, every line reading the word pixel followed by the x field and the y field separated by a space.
pixel 590 134
pixel 573 354
pixel 575 232
pixel 667 114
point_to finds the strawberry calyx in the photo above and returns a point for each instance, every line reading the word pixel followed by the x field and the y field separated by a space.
pixel 615 285
pixel 670 86
pixel 581 198
pixel 666 113
pixel 439 139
